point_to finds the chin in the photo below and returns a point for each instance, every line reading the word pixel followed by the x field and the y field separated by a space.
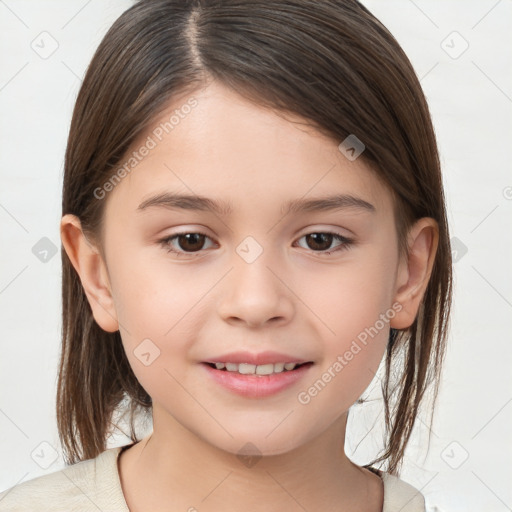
pixel 257 445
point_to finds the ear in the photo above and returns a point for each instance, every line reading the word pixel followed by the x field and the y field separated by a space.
pixel 414 270
pixel 92 270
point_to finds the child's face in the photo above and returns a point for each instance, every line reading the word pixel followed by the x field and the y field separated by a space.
pixel 256 283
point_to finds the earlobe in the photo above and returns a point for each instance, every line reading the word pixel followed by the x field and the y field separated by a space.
pixel 414 271
pixel 91 268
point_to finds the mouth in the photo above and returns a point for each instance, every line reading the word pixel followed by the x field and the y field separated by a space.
pixel 257 370
pixel 257 380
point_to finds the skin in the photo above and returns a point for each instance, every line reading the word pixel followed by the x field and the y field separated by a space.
pixel 292 299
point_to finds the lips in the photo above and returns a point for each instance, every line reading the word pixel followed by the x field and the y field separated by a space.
pixel 256 375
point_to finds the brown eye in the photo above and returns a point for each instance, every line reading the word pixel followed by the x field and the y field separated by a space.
pixel 185 243
pixel 321 242
pixel 191 241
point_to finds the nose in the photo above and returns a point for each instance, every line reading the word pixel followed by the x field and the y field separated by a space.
pixel 254 293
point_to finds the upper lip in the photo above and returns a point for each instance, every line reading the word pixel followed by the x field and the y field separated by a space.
pixel 268 357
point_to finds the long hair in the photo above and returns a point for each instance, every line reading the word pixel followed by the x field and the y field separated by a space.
pixel 332 63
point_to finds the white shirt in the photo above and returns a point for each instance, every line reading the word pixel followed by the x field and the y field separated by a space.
pixel 94 485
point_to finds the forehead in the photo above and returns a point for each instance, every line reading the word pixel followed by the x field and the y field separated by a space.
pixel 217 144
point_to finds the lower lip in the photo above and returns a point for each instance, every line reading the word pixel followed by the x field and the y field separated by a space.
pixel 257 386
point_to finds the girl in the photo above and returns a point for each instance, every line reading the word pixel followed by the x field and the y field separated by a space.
pixel 253 219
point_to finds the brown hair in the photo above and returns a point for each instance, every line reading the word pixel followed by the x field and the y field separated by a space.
pixel 332 63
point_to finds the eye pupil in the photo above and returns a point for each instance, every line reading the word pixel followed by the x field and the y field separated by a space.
pixel 191 238
pixel 320 239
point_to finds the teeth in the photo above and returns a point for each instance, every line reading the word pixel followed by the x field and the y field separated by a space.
pixel 251 369
pixel 264 369
pixel 246 369
pixel 278 367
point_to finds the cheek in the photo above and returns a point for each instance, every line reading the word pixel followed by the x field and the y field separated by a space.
pixel 359 316
pixel 161 306
pixel 153 297
pixel 356 309
pixel 156 309
pixel 351 297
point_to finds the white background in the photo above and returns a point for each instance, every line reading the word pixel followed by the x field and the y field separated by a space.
pixel 466 465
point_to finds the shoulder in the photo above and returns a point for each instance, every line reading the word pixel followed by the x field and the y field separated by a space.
pixel 90 485
pixel 400 496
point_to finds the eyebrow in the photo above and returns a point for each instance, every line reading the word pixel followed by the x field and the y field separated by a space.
pixel 170 200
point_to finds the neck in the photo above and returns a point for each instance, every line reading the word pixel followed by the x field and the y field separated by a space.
pixel 174 466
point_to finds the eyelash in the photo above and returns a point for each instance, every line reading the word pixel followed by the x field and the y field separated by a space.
pixel 165 242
